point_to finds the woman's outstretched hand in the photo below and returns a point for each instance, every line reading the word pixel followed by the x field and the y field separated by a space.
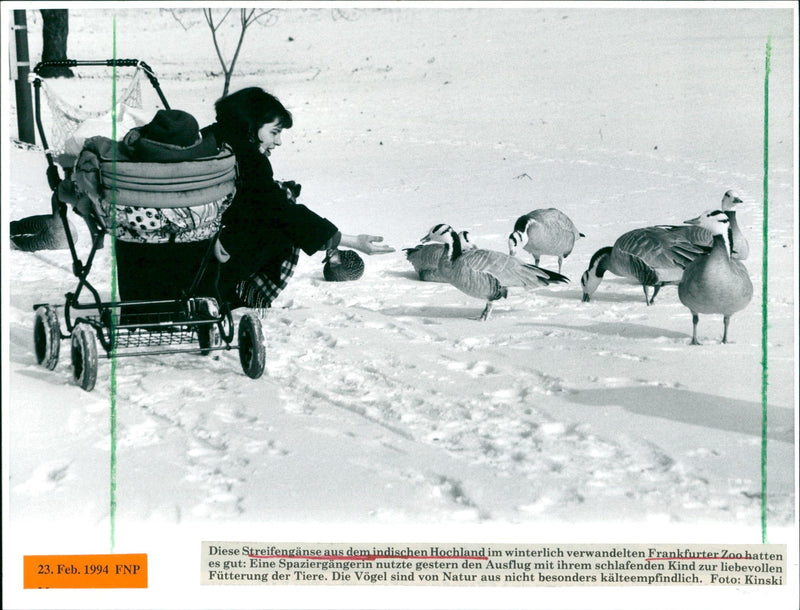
pixel 368 244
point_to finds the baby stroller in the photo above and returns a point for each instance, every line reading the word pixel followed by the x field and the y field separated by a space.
pixel 176 205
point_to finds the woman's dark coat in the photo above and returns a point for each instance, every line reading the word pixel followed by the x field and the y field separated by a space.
pixel 261 226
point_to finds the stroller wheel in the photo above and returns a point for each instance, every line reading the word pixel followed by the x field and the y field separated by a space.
pixel 207 334
pixel 208 337
pixel 46 336
pixel 252 353
pixel 84 356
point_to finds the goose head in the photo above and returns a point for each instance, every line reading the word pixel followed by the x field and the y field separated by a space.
pixel 715 221
pixel 729 200
pixel 592 277
pixel 517 240
pixel 466 241
pixel 442 233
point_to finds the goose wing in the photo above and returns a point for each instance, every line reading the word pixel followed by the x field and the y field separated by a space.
pixel 474 282
pixel 635 267
pixel 697 235
pixel 31 225
pixel 554 218
pixel 659 247
pixel 553 230
pixel 42 232
pixel 424 256
pixel 687 242
pixel 508 270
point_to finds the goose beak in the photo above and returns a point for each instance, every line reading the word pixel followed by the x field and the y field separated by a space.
pixel 425 239
pixel 692 221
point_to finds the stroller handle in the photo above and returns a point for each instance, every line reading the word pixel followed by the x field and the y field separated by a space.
pixel 94 62
pixel 109 63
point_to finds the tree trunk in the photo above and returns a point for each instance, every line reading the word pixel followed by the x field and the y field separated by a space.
pixel 55 29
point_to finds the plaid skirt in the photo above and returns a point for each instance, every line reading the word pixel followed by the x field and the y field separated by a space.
pixel 263 287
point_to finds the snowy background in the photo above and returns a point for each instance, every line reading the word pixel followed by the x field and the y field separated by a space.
pixel 384 404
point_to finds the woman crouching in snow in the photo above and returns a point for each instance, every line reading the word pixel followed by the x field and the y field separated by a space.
pixel 264 228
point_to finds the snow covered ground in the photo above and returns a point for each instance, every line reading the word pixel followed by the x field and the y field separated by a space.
pixel 386 411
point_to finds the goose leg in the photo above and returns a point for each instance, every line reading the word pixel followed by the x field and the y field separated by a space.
pixel 725 321
pixel 486 311
pixel 695 319
pixel 536 260
pixel 646 296
pixel 560 260
pixel 655 292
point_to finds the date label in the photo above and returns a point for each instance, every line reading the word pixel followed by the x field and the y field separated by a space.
pixel 113 571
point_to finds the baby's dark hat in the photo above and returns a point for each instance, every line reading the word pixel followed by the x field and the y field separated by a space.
pixel 174 127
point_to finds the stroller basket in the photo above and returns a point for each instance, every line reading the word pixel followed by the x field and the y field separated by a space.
pixel 165 329
pixel 165 218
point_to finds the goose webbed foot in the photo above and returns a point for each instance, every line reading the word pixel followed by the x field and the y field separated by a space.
pixel 486 312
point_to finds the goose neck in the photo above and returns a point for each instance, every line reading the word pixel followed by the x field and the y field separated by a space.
pixel 457 247
pixel 722 243
pixel 602 263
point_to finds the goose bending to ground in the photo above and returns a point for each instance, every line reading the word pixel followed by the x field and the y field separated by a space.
pixel 740 249
pixel 653 256
pixel 717 282
pixel 425 258
pixel 41 232
pixel 544 232
pixel 485 274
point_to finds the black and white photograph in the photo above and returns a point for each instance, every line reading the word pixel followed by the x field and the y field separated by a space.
pixel 397 272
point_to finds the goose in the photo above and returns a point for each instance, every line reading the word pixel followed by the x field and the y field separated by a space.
pixel 544 232
pixel 425 257
pixel 717 282
pixel 740 249
pixel 41 232
pixel 485 274
pixel 653 256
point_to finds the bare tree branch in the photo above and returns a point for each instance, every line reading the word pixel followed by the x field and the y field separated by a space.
pixel 210 21
pixel 215 26
pixel 246 19
pixel 263 14
pixel 175 16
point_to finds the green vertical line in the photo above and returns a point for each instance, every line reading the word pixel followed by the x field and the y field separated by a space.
pixel 764 306
pixel 113 423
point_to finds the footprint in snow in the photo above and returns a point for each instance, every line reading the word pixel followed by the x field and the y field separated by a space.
pixel 45 478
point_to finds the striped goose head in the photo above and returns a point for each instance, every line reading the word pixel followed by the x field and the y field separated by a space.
pixel 517 240
pixel 715 221
pixel 718 223
pixel 466 240
pixel 442 233
pixel 592 277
